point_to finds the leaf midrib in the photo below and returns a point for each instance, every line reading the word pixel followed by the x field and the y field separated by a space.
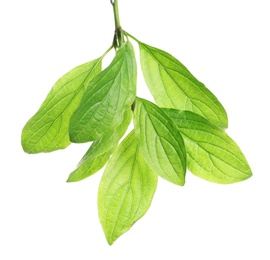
pixel 122 60
pixel 161 137
pixel 193 82
pixel 209 153
pixel 64 111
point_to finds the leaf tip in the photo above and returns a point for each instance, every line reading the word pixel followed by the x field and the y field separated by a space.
pixel 248 175
pixel 27 148
pixel 24 147
pixel 69 180
pixel 110 241
pixel 72 178
pixel 225 123
pixel 24 142
pixel 72 135
pixel 180 182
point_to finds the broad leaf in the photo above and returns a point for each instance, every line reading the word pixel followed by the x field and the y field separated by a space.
pixel 160 142
pixel 100 151
pixel 126 189
pixel 212 154
pixel 106 98
pixel 47 130
pixel 173 86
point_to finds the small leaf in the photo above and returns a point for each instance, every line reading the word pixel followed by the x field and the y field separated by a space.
pixel 212 154
pixel 106 99
pixel 47 130
pixel 126 189
pixel 160 142
pixel 173 86
pixel 100 151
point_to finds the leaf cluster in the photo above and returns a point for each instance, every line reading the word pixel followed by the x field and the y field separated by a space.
pixel 183 130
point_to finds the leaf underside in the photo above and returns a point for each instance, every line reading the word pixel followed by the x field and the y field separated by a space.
pixel 47 130
pixel 173 86
pixel 212 154
pixel 126 189
pixel 160 142
pixel 106 98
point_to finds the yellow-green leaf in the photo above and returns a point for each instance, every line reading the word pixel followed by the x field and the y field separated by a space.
pixel 47 130
pixel 126 189
pixel 212 154
pixel 173 86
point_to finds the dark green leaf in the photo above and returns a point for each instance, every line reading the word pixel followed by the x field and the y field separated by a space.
pixel 160 142
pixel 106 98
pixel 212 154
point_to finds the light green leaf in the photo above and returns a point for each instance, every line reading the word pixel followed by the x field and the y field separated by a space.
pixel 100 151
pixel 47 130
pixel 126 189
pixel 212 154
pixel 106 99
pixel 173 86
pixel 160 142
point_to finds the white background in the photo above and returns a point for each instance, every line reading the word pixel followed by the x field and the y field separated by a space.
pixel 225 44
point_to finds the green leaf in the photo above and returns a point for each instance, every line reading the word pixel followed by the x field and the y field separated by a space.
pixel 47 130
pixel 100 151
pixel 173 86
pixel 160 142
pixel 126 189
pixel 212 154
pixel 106 99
